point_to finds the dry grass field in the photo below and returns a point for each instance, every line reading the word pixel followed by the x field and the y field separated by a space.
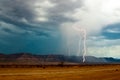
pixel 101 72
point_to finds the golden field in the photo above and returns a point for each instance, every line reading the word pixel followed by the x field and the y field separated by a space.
pixel 94 72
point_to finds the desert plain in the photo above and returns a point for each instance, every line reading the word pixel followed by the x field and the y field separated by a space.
pixel 88 72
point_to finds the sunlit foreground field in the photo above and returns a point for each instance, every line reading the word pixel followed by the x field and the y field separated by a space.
pixel 94 72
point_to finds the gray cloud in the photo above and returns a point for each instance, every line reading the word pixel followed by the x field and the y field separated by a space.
pixel 112 31
pixel 62 7
pixel 21 13
pixel 16 9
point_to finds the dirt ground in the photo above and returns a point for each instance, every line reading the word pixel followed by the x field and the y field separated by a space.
pixel 101 72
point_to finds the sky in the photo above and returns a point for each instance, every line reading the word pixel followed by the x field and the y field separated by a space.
pixel 49 27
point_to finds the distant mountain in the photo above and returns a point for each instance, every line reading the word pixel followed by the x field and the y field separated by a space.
pixel 27 58
pixel 2 57
pixel 111 60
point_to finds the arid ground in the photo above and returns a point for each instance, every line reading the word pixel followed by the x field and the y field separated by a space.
pixel 96 72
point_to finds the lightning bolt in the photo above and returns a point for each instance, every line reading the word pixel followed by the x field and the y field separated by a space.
pixel 83 32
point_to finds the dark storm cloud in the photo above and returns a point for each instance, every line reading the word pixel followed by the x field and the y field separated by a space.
pixel 23 9
pixel 21 30
pixel 14 11
pixel 14 22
